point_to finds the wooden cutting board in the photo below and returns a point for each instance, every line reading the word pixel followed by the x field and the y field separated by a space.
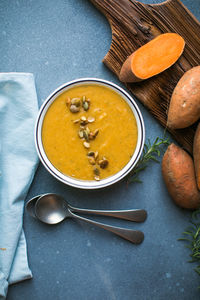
pixel 133 24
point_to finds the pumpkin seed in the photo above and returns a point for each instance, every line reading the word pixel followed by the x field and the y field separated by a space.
pixel 96 132
pixel 83 98
pixel 96 154
pixel 103 163
pixel 74 108
pixel 91 160
pixel 76 101
pixel 85 135
pixel 93 135
pixel 87 129
pixel 76 121
pixel 85 105
pixel 91 153
pixel 80 133
pixel 83 118
pixel 96 171
pixel 86 145
pixel 91 119
pixel 97 178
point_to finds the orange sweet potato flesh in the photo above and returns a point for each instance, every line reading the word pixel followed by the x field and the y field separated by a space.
pixel 153 58
pixel 184 108
pixel 179 176
pixel 196 154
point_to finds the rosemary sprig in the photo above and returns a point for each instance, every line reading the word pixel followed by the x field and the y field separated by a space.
pixel 151 152
pixel 192 237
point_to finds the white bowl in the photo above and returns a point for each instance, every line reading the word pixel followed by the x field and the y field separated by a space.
pixel 86 184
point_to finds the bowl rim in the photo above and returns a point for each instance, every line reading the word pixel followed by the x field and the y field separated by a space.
pixel 89 184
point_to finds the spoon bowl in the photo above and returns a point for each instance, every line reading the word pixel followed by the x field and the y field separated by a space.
pixel 30 205
pixel 51 209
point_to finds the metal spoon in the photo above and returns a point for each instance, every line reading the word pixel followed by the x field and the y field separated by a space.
pixel 52 209
pixel 136 215
pixel 30 205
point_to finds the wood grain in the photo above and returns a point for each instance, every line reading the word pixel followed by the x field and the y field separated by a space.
pixel 133 24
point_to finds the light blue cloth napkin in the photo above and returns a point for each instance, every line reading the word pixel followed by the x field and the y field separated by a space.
pixel 18 161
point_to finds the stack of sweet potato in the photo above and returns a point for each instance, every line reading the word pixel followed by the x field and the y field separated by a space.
pixel 180 172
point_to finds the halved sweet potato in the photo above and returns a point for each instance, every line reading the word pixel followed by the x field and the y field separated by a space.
pixel 153 58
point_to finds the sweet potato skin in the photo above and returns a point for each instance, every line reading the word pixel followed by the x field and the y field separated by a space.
pixel 126 74
pixel 184 108
pixel 179 176
pixel 196 154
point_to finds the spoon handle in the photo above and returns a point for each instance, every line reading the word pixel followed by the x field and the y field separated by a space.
pixel 134 236
pixel 136 215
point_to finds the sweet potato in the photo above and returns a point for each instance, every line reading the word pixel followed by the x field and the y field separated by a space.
pixel 196 155
pixel 184 108
pixel 179 176
pixel 152 58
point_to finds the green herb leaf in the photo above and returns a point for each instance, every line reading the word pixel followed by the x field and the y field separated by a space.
pixel 193 239
pixel 151 152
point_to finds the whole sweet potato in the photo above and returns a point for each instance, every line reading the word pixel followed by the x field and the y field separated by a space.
pixel 184 108
pixel 179 176
pixel 196 154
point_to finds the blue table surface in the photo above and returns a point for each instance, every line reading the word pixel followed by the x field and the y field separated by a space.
pixel 59 41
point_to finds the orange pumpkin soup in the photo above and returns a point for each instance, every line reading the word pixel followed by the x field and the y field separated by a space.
pixel 89 132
